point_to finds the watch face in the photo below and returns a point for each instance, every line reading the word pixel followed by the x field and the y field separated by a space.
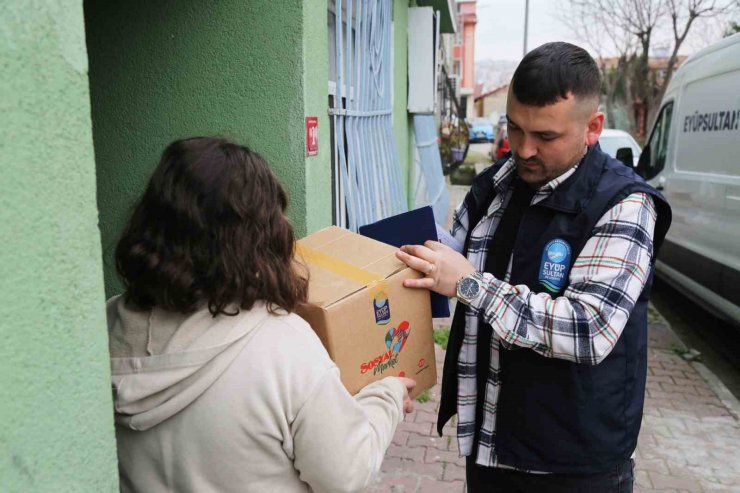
pixel 469 288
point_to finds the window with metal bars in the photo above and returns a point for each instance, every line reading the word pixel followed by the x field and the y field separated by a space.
pixel 368 183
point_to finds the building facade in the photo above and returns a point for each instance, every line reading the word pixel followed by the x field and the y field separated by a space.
pixel 492 104
pixel 467 19
pixel 93 93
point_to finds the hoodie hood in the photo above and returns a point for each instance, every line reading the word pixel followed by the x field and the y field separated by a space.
pixel 163 361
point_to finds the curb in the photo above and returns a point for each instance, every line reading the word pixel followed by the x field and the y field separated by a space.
pixel 723 393
pixel 725 396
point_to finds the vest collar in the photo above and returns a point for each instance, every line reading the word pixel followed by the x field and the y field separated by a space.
pixel 572 194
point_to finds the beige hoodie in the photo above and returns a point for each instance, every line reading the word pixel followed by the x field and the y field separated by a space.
pixel 244 403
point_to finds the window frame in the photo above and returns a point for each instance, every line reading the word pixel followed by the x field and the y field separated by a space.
pixel 653 167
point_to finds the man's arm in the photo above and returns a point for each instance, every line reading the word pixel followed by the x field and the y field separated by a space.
pixel 583 324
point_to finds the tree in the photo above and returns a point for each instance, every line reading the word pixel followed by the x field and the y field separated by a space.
pixel 638 19
pixel 733 28
pixel 682 14
pixel 630 27
pixel 624 27
pixel 591 25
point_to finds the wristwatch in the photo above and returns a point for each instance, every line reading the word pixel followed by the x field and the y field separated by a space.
pixel 468 288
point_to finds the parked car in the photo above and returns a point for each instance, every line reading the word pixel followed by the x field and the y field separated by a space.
pixel 693 156
pixel 612 140
pixel 481 130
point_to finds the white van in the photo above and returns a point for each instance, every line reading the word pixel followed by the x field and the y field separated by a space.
pixel 693 157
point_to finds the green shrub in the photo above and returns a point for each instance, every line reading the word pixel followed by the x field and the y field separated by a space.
pixel 442 337
pixel 463 175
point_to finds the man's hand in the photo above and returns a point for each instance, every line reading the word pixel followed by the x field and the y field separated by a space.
pixel 441 265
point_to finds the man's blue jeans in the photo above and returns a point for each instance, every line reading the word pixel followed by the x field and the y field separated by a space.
pixel 495 480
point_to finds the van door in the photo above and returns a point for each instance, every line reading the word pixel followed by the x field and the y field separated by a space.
pixel 707 162
pixel 731 271
pixel 679 169
pixel 726 140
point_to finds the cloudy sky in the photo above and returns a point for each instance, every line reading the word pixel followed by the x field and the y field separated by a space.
pixel 499 33
pixel 500 28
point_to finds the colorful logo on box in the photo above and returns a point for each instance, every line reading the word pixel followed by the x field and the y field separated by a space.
pixel 395 340
pixel 382 308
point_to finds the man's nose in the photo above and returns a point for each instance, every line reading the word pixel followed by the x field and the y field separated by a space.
pixel 527 148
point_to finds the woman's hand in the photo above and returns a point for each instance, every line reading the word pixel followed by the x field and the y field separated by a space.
pixel 408 404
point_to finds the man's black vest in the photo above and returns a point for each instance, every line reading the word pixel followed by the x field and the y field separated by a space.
pixel 554 415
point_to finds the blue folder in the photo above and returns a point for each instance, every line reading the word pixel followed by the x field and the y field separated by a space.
pixel 410 228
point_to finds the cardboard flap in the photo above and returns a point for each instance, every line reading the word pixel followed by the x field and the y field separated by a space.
pixel 341 263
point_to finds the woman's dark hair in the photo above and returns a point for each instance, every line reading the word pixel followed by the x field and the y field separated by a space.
pixel 548 73
pixel 210 228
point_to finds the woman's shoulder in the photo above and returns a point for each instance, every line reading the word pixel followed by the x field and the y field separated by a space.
pixel 290 358
pixel 293 338
pixel 288 322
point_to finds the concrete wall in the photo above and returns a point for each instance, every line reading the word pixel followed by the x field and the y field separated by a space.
pixel 56 420
pixel 165 70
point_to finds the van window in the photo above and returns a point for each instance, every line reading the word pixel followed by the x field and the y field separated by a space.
pixel 659 141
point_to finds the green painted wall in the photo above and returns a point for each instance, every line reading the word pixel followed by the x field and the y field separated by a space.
pixel 403 124
pixel 319 202
pixel 165 70
pixel 248 70
pixel 56 420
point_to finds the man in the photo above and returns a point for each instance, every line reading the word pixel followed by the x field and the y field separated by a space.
pixel 547 357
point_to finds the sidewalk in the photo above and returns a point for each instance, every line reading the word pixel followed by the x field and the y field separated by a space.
pixel 689 442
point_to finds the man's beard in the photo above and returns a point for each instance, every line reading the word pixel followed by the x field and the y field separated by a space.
pixel 535 172
pixel 532 170
pixel 534 161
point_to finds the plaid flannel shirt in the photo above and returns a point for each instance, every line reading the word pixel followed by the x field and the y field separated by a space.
pixel 604 284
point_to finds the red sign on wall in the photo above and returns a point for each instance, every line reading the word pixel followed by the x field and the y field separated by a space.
pixel 312 135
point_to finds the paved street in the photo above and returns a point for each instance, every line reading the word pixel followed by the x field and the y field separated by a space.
pixel 689 442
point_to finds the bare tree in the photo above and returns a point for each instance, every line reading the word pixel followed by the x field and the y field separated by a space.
pixel 634 24
pixel 639 18
pixel 704 32
pixel 629 25
pixel 592 26
pixel 682 15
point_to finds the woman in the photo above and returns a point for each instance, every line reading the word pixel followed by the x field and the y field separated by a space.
pixel 217 385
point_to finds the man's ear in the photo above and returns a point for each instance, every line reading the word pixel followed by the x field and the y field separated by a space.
pixel 594 127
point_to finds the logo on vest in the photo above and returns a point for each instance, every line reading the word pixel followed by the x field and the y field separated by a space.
pixel 554 265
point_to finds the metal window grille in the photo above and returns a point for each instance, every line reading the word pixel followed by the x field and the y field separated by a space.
pixel 364 146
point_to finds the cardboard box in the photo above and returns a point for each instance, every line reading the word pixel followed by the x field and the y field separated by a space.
pixel 370 324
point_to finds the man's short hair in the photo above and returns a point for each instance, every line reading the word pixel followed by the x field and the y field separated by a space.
pixel 552 71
